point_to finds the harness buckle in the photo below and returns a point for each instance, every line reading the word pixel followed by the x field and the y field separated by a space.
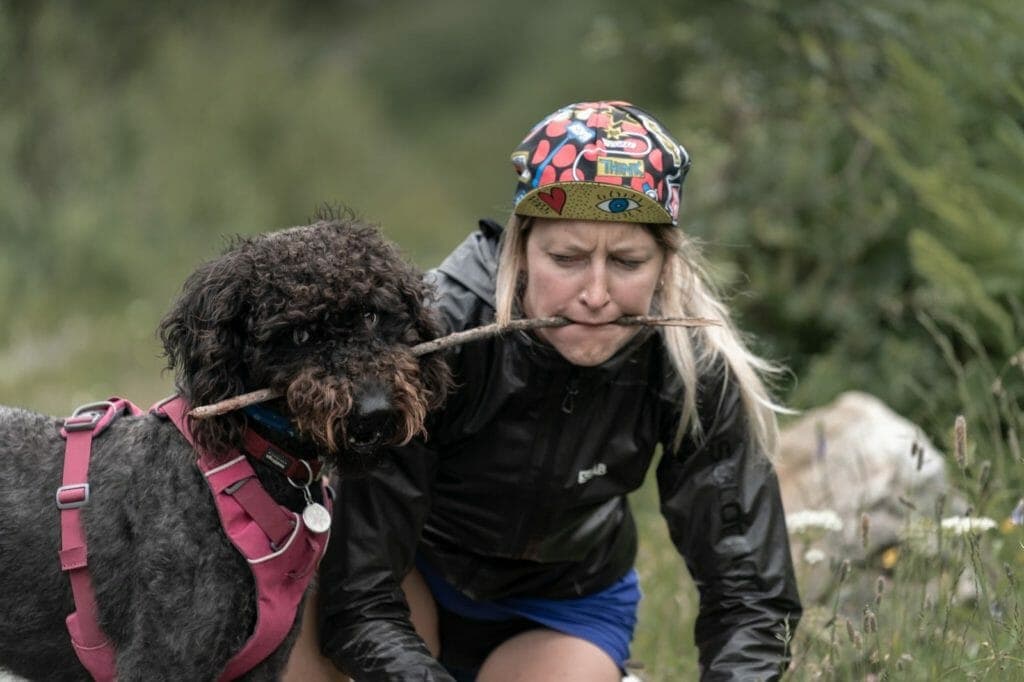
pixel 100 406
pixel 82 422
pixel 87 417
pixel 72 496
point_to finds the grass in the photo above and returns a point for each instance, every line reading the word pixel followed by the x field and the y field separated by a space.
pixel 948 607
pixel 946 603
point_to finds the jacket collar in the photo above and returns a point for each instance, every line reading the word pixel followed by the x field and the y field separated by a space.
pixel 474 263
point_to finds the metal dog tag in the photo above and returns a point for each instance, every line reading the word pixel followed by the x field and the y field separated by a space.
pixel 317 518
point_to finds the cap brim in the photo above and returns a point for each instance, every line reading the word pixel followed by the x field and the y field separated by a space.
pixel 592 201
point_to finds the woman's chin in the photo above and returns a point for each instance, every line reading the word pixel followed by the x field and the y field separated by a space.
pixel 588 346
pixel 583 357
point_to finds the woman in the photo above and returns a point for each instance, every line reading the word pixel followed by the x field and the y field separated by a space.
pixel 502 546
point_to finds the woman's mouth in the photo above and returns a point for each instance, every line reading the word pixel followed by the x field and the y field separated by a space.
pixel 591 323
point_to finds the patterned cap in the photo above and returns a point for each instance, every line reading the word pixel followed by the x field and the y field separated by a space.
pixel 600 161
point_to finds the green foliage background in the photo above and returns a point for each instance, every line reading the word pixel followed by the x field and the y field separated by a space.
pixel 857 176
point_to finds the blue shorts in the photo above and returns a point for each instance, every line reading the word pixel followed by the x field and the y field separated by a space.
pixel 606 619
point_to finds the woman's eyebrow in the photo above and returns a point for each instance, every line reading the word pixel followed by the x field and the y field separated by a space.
pixel 632 249
pixel 568 246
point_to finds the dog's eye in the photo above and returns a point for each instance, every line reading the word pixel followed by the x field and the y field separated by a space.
pixel 300 336
pixel 370 318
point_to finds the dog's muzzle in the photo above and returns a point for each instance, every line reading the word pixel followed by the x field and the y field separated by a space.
pixel 371 421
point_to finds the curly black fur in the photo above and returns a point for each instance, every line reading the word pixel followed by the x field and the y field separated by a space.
pixel 324 313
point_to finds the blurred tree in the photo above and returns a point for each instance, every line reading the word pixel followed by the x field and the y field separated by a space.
pixel 859 163
pixel 138 137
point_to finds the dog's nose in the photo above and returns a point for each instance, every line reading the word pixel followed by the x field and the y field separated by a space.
pixel 371 420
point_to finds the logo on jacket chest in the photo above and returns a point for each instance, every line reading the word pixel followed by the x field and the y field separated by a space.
pixel 585 475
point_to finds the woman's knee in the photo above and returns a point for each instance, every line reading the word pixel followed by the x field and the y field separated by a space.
pixel 306 663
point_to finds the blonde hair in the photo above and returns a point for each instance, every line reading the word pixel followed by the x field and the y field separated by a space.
pixel 686 292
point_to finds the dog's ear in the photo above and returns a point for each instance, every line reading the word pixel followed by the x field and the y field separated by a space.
pixel 437 378
pixel 203 336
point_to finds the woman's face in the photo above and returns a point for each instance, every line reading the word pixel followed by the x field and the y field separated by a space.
pixel 592 273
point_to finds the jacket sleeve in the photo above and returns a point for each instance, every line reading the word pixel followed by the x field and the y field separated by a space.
pixel 724 511
pixel 364 618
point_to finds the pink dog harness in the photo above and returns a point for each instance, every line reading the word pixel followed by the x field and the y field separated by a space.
pixel 281 550
pixel 91 645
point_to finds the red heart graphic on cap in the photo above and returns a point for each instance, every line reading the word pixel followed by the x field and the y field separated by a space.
pixel 555 199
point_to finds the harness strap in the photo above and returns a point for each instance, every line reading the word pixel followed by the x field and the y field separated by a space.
pixel 237 478
pixel 292 467
pixel 253 498
pixel 91 644
pixel 281 552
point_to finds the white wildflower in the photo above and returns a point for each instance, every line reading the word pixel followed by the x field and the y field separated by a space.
pixel 814 556
pixel 814 519
pixel 962 525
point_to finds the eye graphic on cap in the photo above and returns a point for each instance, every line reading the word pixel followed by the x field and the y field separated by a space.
pixel 617 205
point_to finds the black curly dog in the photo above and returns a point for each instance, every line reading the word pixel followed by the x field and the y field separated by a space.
pixel 324 314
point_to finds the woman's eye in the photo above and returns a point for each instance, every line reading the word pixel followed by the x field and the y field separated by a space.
pixel 629 264
pixel 300 336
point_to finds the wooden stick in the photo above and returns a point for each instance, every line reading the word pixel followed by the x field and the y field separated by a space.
pixel 495 329
pixel 236 403
pixel 475 334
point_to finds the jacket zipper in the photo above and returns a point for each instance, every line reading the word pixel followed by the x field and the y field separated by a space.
pixel 542 466
pixel 572 389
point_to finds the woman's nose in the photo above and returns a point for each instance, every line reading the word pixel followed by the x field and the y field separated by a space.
pixel 595 292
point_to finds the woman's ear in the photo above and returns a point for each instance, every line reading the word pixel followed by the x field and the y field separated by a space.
pixel 667 270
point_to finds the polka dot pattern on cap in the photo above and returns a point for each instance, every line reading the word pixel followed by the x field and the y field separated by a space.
pixel 600 161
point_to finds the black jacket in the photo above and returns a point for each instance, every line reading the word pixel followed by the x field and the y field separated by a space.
pixel 521 489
